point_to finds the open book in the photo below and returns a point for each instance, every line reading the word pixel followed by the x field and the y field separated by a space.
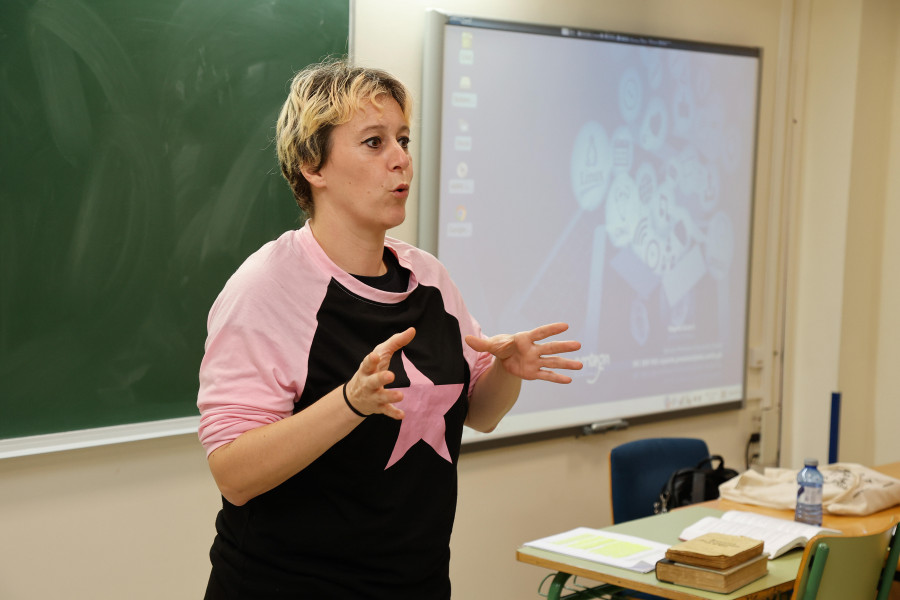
pixel 778 535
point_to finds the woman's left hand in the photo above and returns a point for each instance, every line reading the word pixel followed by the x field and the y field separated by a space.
pixel 521 356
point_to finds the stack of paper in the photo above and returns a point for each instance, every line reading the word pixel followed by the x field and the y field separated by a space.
pixel 605 547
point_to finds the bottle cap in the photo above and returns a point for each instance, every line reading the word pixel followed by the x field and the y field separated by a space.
pixel 811 462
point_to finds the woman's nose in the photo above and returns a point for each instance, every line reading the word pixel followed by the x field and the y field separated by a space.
pixel 399 157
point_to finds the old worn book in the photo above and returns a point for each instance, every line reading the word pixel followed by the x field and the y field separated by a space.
pixel 723 581
pixel 716 550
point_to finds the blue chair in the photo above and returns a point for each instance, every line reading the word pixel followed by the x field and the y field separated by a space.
pixel 638 470
pixel 840 567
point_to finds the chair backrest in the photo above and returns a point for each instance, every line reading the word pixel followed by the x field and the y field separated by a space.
pixel 639 469
pixel 841 567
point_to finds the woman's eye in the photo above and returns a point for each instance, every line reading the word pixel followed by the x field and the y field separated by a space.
pixel 373 142
pixel 404 142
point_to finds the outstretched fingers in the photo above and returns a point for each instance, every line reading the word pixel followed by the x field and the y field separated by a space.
pixel 544 331
pixel 558 362
pixel 560 347
pixel 522 355
pixel 549 364
pixel 380 357
pixel 366 391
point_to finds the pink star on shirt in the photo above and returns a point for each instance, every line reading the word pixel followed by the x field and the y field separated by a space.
pixel 425 405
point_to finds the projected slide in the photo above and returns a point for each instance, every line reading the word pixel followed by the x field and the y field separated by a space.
pixel 608 185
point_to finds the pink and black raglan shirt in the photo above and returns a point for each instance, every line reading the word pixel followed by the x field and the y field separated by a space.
pixel 371 518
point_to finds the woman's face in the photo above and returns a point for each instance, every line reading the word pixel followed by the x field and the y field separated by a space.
pixel 368 172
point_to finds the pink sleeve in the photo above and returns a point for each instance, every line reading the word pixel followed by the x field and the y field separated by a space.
pixel 246 379
pixel 242 384
pixel 237 391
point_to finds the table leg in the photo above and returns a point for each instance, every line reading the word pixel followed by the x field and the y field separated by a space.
pixel 557 586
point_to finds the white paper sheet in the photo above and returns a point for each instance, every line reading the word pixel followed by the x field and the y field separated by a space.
pixel 597 545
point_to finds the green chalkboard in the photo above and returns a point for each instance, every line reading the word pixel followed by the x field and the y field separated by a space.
pixel 138 171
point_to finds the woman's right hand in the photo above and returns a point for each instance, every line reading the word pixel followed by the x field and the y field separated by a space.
pixel 366 391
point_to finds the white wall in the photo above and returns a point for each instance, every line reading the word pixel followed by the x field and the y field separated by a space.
pixel 136 520
pixel 870 281
pixel 125 521
pixel 817 273
pixel 887 352
pixel 841 328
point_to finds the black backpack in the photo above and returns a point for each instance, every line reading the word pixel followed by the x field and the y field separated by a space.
pixel 693 484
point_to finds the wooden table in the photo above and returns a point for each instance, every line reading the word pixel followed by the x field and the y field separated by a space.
pixel 665 528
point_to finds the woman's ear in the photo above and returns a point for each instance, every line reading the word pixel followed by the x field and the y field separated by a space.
pixel 314 176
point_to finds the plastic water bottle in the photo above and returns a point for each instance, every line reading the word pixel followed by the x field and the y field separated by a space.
pixel 809 493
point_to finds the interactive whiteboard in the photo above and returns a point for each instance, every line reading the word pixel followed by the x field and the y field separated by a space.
pixel 601 179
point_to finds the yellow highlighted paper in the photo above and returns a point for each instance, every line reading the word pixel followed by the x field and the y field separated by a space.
pixel 625 551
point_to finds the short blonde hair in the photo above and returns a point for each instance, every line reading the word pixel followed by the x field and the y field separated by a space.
pixel 322 96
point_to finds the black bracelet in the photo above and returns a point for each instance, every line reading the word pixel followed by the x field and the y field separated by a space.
pixel 347 400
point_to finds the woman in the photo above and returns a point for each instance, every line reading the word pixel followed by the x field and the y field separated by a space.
pixel 341 366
